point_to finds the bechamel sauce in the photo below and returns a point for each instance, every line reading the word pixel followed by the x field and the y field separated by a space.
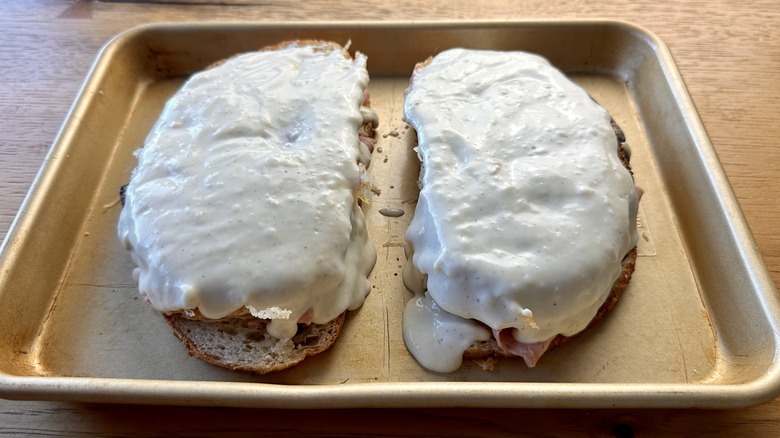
pixel 525 212
pixel 245 191
pixel 439 348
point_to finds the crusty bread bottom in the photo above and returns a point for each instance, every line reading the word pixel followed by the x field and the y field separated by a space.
pixel 241 342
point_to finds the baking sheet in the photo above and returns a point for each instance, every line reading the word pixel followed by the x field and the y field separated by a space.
pixel 73 327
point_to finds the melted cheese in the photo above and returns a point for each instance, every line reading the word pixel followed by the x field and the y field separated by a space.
pixel 245 191
pixel 525 212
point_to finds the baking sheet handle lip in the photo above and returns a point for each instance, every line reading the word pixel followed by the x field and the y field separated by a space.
pixel 750 255
pixel 390 394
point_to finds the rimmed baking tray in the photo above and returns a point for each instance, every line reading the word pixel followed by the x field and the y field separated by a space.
pixel 696 328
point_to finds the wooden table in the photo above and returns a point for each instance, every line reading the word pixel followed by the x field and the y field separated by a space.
pixel 729 56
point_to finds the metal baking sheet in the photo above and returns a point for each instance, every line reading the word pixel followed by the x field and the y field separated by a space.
pixel 696 328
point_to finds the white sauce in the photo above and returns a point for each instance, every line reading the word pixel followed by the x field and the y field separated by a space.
pixel 437 339
pixel 526 210
pixel 245 191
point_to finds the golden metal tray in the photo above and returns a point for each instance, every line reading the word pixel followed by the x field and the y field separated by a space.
pixel 697 327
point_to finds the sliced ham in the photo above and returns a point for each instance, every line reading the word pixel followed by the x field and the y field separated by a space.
pixel 306 317
pixel 529 352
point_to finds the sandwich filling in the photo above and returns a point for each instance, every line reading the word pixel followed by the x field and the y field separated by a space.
pixel 245 193
pixel 525 211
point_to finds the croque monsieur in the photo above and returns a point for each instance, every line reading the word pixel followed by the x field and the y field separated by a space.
pixel 525 228
pixel 242 214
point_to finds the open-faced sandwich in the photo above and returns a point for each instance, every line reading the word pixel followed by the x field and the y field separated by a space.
pixel 242 214
pixel 525 229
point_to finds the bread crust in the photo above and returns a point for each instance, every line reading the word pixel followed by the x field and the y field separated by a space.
pixel 241 342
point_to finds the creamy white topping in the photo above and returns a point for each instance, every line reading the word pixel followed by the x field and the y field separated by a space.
pixel 526 211
pixel 437 339
pixel 245 191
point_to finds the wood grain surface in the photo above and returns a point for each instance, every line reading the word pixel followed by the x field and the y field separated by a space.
pixel 727 51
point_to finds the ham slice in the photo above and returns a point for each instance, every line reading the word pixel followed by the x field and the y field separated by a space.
pixel 306 317
pixel 529 352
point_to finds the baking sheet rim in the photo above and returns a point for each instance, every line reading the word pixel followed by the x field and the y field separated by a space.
pixel 403 394
pixel 389 394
